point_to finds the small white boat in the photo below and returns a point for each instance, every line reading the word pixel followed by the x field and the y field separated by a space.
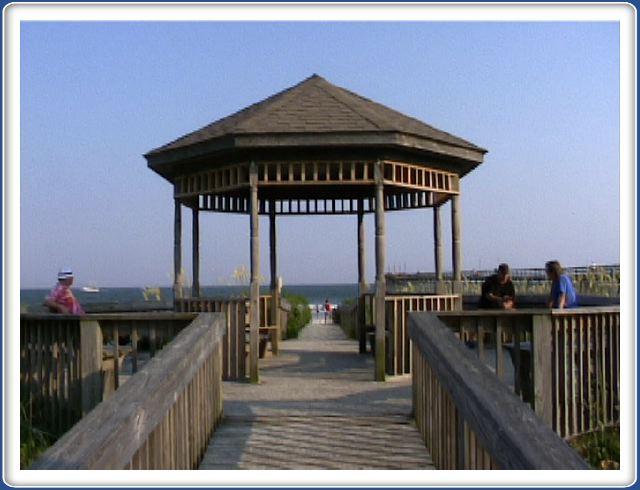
pixel 91 289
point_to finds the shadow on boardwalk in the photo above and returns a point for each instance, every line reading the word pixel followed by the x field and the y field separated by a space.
pixel 317 407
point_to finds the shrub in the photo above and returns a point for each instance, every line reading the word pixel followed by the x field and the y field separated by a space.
pixel 601 448
pixel 299 316
pixel 346 317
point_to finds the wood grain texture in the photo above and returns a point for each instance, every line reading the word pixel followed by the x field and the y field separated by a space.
pixel 317 408
pixel 507 429
pixel 130 427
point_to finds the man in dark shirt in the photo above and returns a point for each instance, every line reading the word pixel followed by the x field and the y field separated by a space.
pixel 498 291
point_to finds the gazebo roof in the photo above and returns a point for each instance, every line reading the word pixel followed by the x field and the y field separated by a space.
pixel 313 114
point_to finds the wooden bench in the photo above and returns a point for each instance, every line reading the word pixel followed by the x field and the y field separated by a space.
pixel 370 334
pixel 109 382
pixel 268 333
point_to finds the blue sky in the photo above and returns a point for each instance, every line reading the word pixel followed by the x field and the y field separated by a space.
pixel 543 98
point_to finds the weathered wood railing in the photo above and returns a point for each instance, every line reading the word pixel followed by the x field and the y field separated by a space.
pixel 467 417
pixel 162 418
pixel 565 363
pixel 204 304
pixel 397 308
pixel 237 311
pixel 64 370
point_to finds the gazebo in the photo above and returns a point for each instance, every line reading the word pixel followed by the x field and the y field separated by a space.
pixel 316 149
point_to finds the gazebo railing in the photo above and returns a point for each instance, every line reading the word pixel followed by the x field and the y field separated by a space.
pixel 397 308
pixel 236 319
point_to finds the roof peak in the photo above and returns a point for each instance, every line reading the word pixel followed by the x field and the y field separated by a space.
pixel 315 106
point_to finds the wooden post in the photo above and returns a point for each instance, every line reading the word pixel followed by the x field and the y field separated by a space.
pixel 254 301
pixel 90 364
pixel 177 251
pixel 362 284
pixel 541 360
pixel 438 249
pixel 456 233
pixel 195 288
pixel 275 292
pixel 380 280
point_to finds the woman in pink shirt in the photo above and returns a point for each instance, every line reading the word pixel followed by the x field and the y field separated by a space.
pixel 61 299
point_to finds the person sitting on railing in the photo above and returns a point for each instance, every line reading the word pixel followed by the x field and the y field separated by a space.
pixel 498 291
pixel 61 298
pixel 563 294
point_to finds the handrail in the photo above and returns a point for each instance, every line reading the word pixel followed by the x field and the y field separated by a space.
pixel 461 408
pixel 532 311
pixel 566 363
pixel 134 315
pixel 67 368
pixel 397 307
pixel 162 418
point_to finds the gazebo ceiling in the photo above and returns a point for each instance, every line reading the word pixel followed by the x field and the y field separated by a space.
pixel 315 149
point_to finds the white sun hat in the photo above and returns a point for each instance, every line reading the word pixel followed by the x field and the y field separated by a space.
pixel 65 273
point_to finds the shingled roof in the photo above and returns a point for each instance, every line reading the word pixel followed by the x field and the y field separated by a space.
pixel 315 106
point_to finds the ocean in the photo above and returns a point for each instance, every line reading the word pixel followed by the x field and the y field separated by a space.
pixel 113 298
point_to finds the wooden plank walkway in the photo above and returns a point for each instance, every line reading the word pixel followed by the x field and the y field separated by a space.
pixel 317 408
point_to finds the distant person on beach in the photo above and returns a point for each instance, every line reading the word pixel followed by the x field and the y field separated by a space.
pixel 327 309
pixel 563 294
pixel 61 298
pixel 498 291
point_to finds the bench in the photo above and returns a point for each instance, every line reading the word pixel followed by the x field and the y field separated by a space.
pixel 108 368
pixel 268 333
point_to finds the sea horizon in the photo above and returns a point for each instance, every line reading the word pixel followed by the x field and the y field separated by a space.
pixel 336 293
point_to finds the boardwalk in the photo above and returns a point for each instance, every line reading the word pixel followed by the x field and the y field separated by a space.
pixel 317 408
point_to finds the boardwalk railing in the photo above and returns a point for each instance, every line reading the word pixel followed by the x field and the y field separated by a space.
pixel 467 417
pixel 397 309
pixel 565 363
pixel 69 364
pixel 162 418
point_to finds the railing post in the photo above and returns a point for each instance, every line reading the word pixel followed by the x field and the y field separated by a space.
pixel 90 364
pixel 541 358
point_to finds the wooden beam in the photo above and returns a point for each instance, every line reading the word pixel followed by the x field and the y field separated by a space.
pixel 177 250
pixel 362 280
pixel 273 256
pixel 90 364
pixel 380 280
pixel 438 248
pixel 254 302
pixel 456 238
pixel 195 288
pixel 542 367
